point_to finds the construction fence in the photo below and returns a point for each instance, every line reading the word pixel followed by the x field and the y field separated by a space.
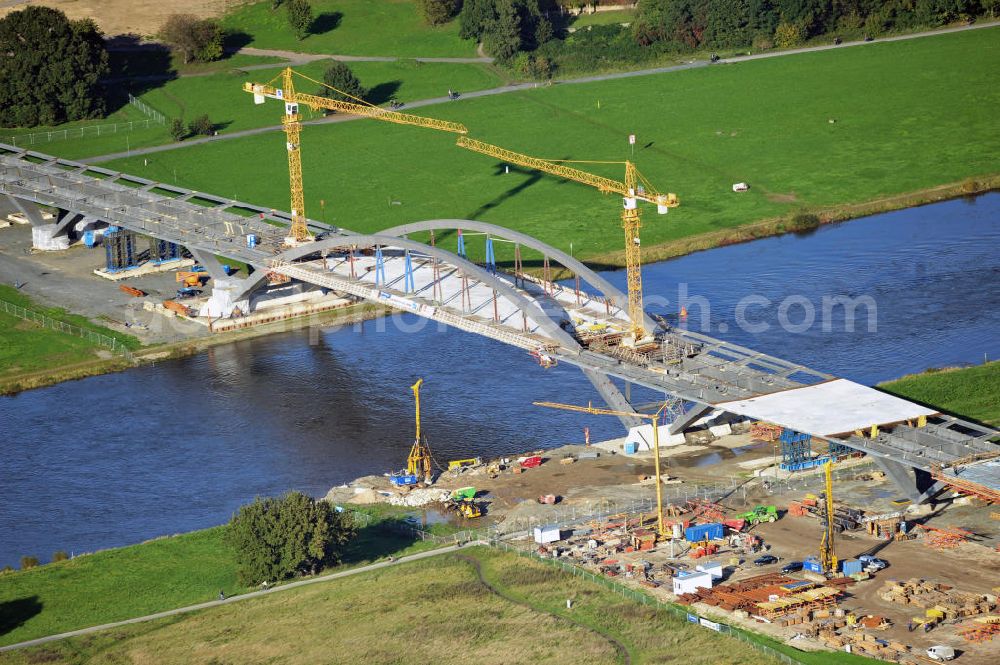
pixel 153 118
pixel 61 326
pixel 646 599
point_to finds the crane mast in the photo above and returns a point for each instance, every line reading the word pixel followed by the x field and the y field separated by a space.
pixel 634 189
pixel 827 551
pixel 293 130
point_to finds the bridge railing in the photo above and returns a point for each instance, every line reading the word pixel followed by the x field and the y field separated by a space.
pixel 61 326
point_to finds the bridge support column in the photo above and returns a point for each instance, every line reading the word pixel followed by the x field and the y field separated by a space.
pixel 691 415
pixel 906 478
pixel 229 293
pixel 44 232
pixel 210 263
pixel 614 397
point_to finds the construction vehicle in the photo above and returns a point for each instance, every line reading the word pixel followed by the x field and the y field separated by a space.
pixel 759 514
pixel 827 549
pixel 291 98
pixel 468 508
pixel 463 463
pixel 190 278
pixel 187 292
pixel 654 419
pixel 635 188
pixel 418 463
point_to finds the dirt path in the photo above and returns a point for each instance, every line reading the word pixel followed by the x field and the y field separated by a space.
pixel 623 653
pixel 235 599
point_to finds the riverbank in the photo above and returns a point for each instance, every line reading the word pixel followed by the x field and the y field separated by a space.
pixel 800 221
pixel 13 383
pixel 969 392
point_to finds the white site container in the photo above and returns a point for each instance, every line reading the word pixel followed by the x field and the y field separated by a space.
pixel 547 534
pixel 713 568
pixel 689 581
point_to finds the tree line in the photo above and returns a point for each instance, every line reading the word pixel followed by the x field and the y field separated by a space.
pixel 533 36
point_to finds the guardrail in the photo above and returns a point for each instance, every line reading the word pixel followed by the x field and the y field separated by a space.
pixel 61 326
pixel 146 109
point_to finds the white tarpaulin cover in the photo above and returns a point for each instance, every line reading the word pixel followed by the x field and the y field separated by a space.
pixel 825 409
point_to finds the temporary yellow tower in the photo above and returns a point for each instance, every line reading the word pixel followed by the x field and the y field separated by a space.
pixel 827 551
pixel 419 461
pixel 635 188
pixel 654 419
pixel 293 128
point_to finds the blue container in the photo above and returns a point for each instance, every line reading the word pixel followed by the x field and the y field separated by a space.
pixel 700 532
pixel 813 566
pixel 403 479
pixel 228 269
pixel 631 447
pixel 251 240
pixel 852 567
pixel 89 239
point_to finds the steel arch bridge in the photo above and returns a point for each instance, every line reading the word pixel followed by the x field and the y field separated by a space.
pixel 566 323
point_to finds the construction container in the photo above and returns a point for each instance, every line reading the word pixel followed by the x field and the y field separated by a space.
pixel 713 568
pixel 631 447
pixel 852 567
pixel 699 532
pixel 547 534
pixel 689 581
pixel 813 565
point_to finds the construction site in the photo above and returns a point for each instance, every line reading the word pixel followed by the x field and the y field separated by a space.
pixel 759 492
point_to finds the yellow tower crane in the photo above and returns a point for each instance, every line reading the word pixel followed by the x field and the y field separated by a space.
pixel 827 551
pixel 654 419
pixel 293 127
pixel 419 461
pixel 635 188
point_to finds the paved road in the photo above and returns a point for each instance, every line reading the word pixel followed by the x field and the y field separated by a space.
pixel 235 599
pixel 526 86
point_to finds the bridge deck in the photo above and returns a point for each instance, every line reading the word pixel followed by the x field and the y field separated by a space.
pixel 518 310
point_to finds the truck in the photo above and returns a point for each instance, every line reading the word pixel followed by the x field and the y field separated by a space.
pixel 759 514
pixel 941 652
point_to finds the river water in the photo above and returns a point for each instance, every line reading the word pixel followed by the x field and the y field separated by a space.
pixel 117 459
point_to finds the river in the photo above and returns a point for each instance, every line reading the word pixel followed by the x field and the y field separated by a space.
pixel 121 458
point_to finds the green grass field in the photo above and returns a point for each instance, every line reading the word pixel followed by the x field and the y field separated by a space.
pixel 161 574
pixel 907 116
pixel 27 347
pixel 972 392
pixel 221 96
pixel 353 27
pixel 603 18
pixel 431 611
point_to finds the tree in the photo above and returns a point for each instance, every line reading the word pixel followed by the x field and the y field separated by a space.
pixel 60 555
pixel 202 126
pixel 300 17
pixel 339 76
pixel 51 68
pixel 196 39
pixel 28 562
pixel 502 37
pixel 476 15
pixel 177 131
pixel 787 35
pixel 277 538
pixel 436 12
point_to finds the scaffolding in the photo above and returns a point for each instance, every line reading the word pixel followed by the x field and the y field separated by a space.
pixel 119 249
pixel 796 451
pixel 161 251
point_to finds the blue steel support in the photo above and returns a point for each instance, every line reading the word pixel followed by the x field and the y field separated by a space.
pixel 408 283
pixel 379 267
pixel 460 250
pixel 491 259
